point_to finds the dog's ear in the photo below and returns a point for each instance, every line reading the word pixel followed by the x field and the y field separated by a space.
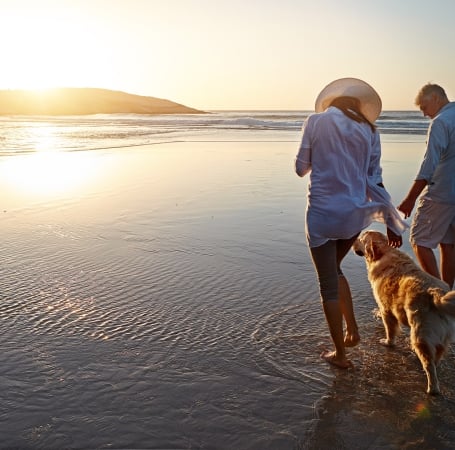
pixel 373 251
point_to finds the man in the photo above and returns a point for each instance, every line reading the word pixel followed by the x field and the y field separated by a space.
pixel 434 221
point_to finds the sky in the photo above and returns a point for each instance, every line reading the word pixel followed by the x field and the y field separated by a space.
pixel 230 54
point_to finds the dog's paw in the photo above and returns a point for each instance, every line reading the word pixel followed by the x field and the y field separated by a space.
pixel 433 390
pixel 387 342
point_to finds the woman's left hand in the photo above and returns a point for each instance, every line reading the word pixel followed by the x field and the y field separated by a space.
pixel 395 240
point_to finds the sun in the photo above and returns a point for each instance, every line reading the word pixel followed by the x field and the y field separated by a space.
pixel 36 53
pixel 51 47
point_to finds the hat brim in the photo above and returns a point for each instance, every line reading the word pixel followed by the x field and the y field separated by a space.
pixel 370 102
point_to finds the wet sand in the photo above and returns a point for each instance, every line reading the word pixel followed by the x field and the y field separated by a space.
pixel 163 297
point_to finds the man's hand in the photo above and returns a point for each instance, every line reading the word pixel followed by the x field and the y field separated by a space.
pixel 406 207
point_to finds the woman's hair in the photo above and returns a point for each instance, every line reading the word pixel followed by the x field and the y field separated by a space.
pixel 350 106
pixel 430 89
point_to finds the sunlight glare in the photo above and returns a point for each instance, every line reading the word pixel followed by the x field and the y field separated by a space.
pixel 49 173
pixel 45 139
pixel 52 48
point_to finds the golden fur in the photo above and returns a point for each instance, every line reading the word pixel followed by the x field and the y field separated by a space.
pixel 409 296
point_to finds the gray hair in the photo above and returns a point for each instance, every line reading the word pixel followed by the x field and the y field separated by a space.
pixel 430 89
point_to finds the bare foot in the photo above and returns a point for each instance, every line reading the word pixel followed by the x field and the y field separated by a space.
pixel 351 339
pixel 331 358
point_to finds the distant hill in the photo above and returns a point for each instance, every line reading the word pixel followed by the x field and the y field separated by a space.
pixel 82 101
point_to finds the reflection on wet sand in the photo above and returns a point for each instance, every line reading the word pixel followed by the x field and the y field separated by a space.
pixel 149 312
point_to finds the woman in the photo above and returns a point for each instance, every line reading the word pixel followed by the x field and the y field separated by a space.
pixel 341 150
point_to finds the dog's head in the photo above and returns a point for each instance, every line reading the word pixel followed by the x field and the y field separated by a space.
pixel 371 244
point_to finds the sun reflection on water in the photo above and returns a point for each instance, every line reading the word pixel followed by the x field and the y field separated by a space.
pixel 49 172
pixel 45 138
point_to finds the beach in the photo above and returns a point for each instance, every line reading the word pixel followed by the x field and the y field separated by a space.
pixel 162 296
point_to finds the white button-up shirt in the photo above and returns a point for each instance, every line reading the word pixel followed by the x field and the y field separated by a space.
pixel 438 166
pixel 343 159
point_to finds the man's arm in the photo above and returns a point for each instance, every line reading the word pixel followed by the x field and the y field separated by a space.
pixel 407 205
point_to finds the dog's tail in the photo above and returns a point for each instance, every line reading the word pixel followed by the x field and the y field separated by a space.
pixel 445 303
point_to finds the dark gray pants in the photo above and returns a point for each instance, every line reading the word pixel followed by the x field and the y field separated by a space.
pixel 327 262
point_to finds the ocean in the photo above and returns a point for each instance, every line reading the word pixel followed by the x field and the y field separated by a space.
pixel 157 292
pixel 19 134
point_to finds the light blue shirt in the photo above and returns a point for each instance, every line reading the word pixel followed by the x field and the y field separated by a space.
pixel 342 157
pixel 438 165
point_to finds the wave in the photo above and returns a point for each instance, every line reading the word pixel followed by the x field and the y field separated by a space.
pixel 20 134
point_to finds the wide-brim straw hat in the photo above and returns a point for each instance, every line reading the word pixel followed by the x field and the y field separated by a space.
pixel 370 102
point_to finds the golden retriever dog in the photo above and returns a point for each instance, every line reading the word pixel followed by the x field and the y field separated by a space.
pixel 407 295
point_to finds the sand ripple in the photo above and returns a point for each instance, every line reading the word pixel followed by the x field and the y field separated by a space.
pixel 290 341
pixel 184 313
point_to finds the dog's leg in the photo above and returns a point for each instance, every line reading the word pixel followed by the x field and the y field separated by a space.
pixel 441 351
pixel 391 327
pixel 426 356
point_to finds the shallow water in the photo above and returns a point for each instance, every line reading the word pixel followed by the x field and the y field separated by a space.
pixel 170 303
